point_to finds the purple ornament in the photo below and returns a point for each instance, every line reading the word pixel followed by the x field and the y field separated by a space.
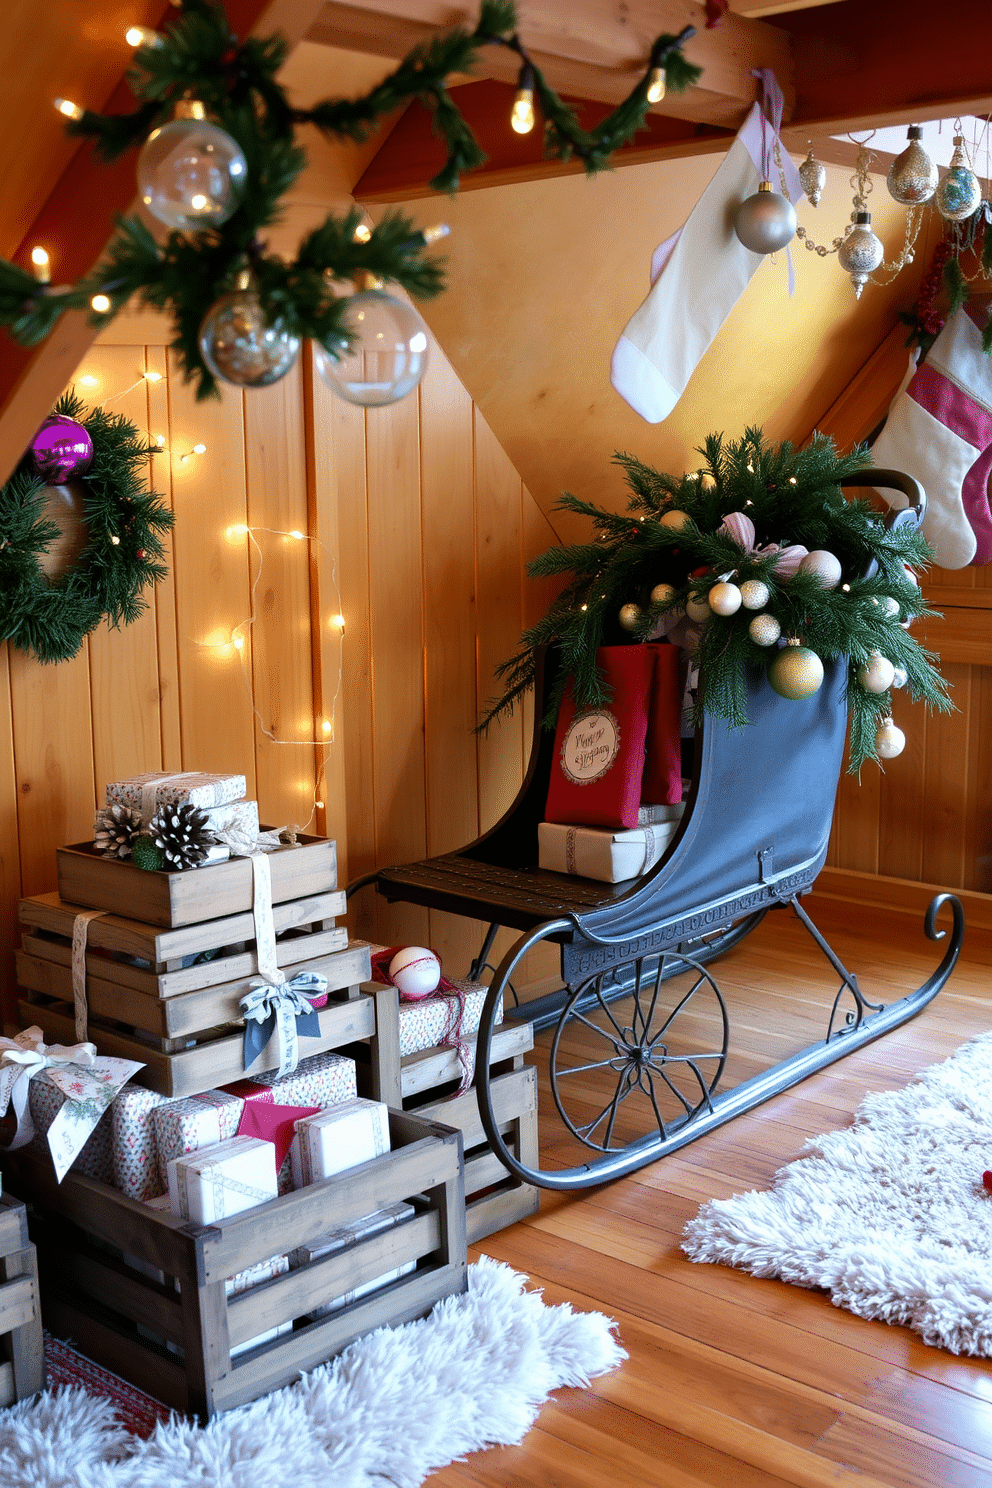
pixel 62 450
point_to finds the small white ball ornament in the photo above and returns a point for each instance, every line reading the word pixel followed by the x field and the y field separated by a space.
pixel 755 594
pixel 675 519
pixel 630 616
pixel 889 605
pixel 877 673
pixel 823 566
pixel 890 740
pixel 662 594
pixel 764 630
pixel 415 972
pixel 725 599
pixel 796 672
pixel 900 677
pixel 697 607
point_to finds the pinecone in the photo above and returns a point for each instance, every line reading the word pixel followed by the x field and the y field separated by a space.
pixel 145 854
pixel 183 834
pixel 115 829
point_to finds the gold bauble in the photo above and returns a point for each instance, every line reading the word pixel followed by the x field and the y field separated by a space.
pixel 662 594
pixel 675 519
pixel 890 740
pixel 630 616
pixel 796 672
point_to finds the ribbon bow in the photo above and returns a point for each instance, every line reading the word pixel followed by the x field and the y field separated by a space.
pixel 741 529
pixel 288 1009
pixel 88 1082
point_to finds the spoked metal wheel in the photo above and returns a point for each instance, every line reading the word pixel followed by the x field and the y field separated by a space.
pixel 641 1063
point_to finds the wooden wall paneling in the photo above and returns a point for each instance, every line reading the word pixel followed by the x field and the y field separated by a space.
pixel 160 479
pixel 855 829
pixel 946 780
pixel 282 667
pixel 327 468
pixel 450 619
pixel 903 801
pixel 212 585
pixel 396 602
pixel 978 815
pixel 127 733
pixel 10 861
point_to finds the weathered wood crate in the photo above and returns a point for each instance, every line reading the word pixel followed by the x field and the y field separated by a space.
pixel 159 898
pixel 83 1230
pixel 22 1349
pixel 183 1021
pixel 424 1083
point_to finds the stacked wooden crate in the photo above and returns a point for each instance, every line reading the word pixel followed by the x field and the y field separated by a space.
pixel 22 1350
pixel 142 1290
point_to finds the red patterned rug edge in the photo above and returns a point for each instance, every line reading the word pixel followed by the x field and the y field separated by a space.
pixel 137 1412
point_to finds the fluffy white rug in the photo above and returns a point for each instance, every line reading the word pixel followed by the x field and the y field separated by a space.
pixel 397 1405
pixel 890 1216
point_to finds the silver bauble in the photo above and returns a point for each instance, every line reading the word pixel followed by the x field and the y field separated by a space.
pixel 877 673
pixel 191 174
pixel 765 222
pixel 764 630
pixel 796 672
pixel 959 193
pixel 890 740
pixel 662 594
pixel 912 176
pixel 674 519
pixel 240 347
pixel 725 599
pixel 630 616
pixel 823 566
pixel 813 176
pixel 697 607
pixel 860 253
pixel 755 594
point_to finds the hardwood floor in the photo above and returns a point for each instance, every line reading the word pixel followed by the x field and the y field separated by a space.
pixel 734 1382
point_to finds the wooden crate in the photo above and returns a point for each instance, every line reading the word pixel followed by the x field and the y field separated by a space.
pixel 184 1023
pixel 22 1350
pixel 424 1082
pixel 92 1295
pixel 88 878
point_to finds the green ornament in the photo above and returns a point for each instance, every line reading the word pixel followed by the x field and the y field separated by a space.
pixel 145 854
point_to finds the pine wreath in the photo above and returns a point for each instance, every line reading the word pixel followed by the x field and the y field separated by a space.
pixel 123 550
pixel 673 535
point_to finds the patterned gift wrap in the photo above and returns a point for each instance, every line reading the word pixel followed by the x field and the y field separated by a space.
pixel 434 1020
pixel 223 1180
pixel 322 1080
pixel 339 1138
pixel 190 1124
pixel 236 824
pixel 96 1158
pixel 134 1146
pixel 188 788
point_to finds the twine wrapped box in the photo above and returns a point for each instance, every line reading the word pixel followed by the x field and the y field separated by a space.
pixel 600 852
pixel 348 1235
pixel 652 816
pixel 187 788
pixel 96 1158
pixel 221 1181
pixel 339 1138
pixel 433 1019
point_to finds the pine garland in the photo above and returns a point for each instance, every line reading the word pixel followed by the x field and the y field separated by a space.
pixel 197 55
pixel 792 497
pixel 51 619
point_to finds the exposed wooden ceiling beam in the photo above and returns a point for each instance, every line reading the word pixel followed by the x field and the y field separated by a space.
pixel 77 221
pixel 585 49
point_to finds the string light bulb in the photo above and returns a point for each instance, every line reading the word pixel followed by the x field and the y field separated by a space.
pixel 68 109
pixel 325 727
pixel 88 380
pixel 41 265
pixel 522 115
pixel 199 449
pixel 362 233
pixel 100 303
pixel 138 36
pixel 656 85
pixel 152 376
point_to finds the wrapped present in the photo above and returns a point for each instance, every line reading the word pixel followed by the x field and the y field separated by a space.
pixel 653 816
pixel 434 1020
pixel 197 1121
pixel 235 824
pixel 134 1143
pixel 600 852
pixel 219 1182
pixel 95 1158
pixel 187 788
pixel 339 1138
pixel 348 1235
pixel 322 1080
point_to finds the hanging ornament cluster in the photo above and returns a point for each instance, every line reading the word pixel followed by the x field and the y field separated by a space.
pixel 765 565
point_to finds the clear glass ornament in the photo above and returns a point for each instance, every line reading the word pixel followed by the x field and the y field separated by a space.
pixel 813 176
pixel 388 356
pixel 766 221
pixel 860 253
pixel 191 174
pixel 240 347
pixel 912 177
pixel 960 192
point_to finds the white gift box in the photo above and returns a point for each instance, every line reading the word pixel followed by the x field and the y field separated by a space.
pixel 348 1235
pixel 235 823
pixel 651 816
pixel 600 852
pixel 219 1182
pixel 186 788
pixel 338 1138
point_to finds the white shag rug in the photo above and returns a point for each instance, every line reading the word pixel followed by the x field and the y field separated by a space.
pixel 889 1216
pixel 397 1405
